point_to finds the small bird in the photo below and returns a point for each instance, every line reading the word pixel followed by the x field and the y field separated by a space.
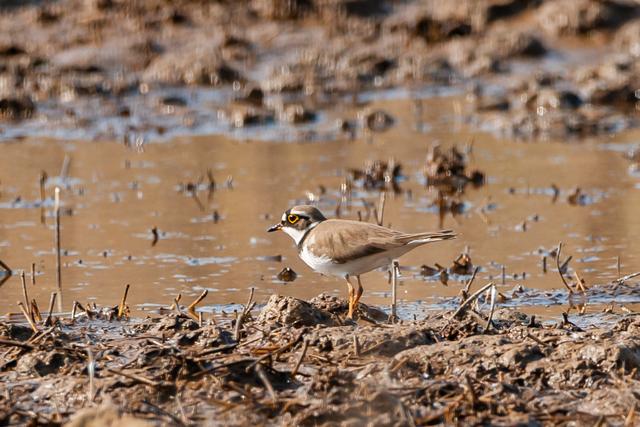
pixel 346 248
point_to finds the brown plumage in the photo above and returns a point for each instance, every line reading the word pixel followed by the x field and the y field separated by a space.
pixel 347 240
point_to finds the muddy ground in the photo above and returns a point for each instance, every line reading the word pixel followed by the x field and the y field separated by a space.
pixel 304 363
pixel 531 68
pixel 140 71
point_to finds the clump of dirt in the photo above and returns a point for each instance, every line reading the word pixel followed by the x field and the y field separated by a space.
pixel 448 169
pixel 16 108
pixel 306 364
pixel 584 16
pixel 461 266
pixel 378 175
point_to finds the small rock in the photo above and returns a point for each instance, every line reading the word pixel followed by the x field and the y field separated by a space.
pixel 462 265
pixel 254 96
pixel 16 108
pixel 174 101
pixel 287 275
pixel 49 364
pixel 296 114
pixel 519 356
pixel 377 121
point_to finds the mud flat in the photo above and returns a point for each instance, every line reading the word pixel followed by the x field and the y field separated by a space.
pixel 303 363
pixel 136 72
pixel 127 70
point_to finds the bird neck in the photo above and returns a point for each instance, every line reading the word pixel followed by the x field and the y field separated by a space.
pixel 302 238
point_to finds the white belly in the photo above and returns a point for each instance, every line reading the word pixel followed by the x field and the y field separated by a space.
pixel 356 267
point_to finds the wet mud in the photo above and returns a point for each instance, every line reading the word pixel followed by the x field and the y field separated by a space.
pixel 304 363
pixel 146 70
pixel 151 143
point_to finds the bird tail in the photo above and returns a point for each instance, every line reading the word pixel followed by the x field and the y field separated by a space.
pixel 423 238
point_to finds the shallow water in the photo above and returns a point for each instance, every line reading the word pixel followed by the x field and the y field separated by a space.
pixel 114 195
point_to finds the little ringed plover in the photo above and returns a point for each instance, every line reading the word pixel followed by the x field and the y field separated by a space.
pixel 346 248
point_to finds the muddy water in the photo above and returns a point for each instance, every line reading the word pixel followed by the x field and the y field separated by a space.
pixel 114 195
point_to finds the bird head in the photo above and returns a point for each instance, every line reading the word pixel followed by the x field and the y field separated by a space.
pixel 298 220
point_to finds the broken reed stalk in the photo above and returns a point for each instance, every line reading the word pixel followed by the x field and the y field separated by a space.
pixel 356 346
pixel 66 164
pixel 473 396
pixel 265 380
pixel 191 310
pixel 494 294
pixel 564 282
pixel 56 208
pixel 176 304
pixel 273 354
pixel 35 311
pixel 537 340
pixel 565 264
pixel 627 277
pixel 25 294
pixel 380 211
pixel 183 414
pixel 470 282
pixel 52 302
pixel 394 296
pixel 17 344
pixel 43 181
pixel 580 283
pixel 305 346
pixel 6 268
pixel 472 298
pixel 123 302
pixel 28 317
pixel 177 421
pixel 240 319
pixel 73 310
pixel 135 377
pixel 618 265
pixel 91 369
pixel 33 273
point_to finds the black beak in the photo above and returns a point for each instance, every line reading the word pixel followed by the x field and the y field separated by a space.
pixel 276 227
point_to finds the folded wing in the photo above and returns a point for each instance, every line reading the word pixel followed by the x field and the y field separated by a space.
pixel 348 240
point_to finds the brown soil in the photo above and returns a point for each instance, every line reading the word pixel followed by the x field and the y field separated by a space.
pixel 299 363
pixel 562 67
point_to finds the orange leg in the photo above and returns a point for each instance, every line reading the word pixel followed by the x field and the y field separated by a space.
pixel 351 298
pixel 359 293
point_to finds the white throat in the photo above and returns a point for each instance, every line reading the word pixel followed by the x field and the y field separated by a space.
pixel 298 235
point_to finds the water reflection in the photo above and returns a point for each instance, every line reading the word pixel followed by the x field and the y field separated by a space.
pixel 210 200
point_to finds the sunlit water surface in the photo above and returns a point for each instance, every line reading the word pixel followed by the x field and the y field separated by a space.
pixel 113 195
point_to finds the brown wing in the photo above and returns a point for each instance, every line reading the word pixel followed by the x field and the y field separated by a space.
pixel 348 240
pixel 352 239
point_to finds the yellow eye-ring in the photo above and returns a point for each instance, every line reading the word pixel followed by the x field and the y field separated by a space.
pixel 292 218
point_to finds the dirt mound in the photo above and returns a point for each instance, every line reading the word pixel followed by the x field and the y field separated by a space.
pixel 305 364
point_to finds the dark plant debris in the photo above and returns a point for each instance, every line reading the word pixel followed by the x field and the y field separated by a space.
pixel 306 364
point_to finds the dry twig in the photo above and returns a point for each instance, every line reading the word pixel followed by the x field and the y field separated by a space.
pixel 191 309
pixel 123 302
pixel 300 358
pixel 564 282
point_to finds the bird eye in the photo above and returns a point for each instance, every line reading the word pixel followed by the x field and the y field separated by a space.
pixel 292 218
